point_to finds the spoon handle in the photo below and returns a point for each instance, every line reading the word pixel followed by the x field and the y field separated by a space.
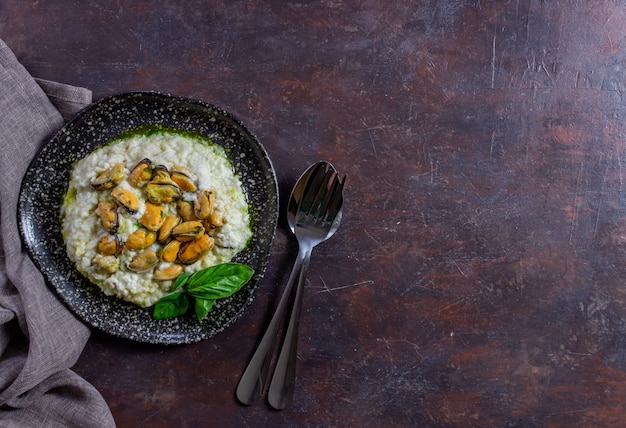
pixel 283 382
pixel 252 381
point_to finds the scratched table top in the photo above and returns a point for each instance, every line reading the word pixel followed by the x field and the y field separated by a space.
pixel 478 276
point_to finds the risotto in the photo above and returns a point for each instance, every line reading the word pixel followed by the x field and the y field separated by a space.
pixel 150 205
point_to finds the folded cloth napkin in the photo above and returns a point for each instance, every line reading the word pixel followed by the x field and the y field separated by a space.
pixel 39 338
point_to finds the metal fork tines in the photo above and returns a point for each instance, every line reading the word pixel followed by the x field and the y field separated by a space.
pixel 314 214
pixel 314 224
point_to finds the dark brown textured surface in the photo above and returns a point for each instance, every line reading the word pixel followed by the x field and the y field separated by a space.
pixel 477 279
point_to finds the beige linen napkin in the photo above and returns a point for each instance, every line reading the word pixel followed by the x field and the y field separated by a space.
pixel 39 338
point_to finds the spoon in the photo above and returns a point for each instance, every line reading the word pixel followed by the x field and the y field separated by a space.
pixel 252 382
pixel 317 220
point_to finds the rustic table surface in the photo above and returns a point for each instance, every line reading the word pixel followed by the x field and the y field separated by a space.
pixel 478 276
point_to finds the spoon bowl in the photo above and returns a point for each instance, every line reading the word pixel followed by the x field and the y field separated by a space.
pixel 313 215
pixel 316 220
pixel 299 189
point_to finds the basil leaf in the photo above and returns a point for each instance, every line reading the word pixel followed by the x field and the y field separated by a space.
pixel 171 305
pixel 219 281
pixel 205 287
pixel 180 280
pixel 203 306
pixel 237 271
pixel 221 270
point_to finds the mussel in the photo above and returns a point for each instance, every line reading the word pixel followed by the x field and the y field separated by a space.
pixel 192 251
pixel 165 231
pixel 162 193
pixel 183 178
pixel 162 189
pixel 108 178
pixel 216 219
pixel 109 245
pixel 126 199
pixel 205 201
pixel 105 264
pixel 168 272
pixel 144 261
pixel 153 217
pixel 141 173
pixel 161 175
pixel 188 230
pixel 185 210
pixel 140 239
pixel 107 211
pixel 169 253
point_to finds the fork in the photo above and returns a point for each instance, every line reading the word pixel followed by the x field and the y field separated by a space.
pixel 314 218
pixel 317 219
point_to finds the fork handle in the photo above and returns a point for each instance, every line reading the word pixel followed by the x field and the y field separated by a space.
pixel 252 381
pixel 283 382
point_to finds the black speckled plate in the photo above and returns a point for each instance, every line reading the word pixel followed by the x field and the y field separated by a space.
pixel 46 181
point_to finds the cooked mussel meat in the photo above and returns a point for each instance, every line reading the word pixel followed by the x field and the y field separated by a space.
pixel 161 175
pixel 140 239
pixel 141 173
pixel 188 230
pixel 126 199
pixel 185 210
pixel 216 219
pixel 205 201
pixel 168 272
pixel 109 245
pixel 162 193
pixel 109 178
pixel 105 264
pixel 107 211
pixel 144 261
pixel 169 253
pixel 162 189
pixel 183 178
pixel 192 251
pixel 165 231
pixel 153 217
